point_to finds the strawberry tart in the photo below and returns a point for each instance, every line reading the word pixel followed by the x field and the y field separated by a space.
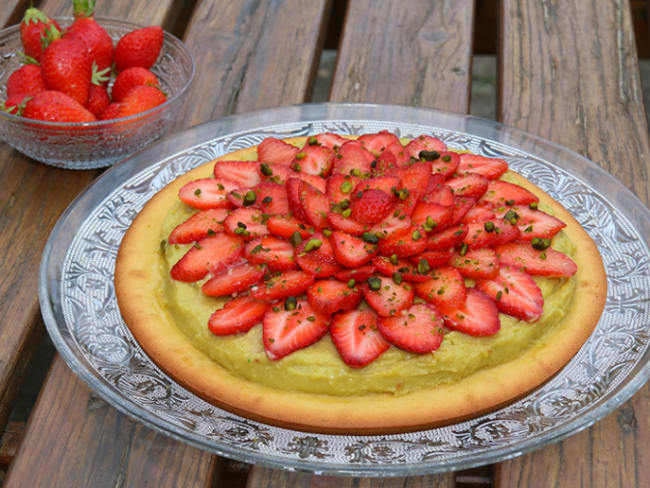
pixel 358 285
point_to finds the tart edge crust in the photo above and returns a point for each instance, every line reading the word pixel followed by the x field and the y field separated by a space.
pixel 138 285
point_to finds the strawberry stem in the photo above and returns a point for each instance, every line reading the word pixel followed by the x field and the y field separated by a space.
pixel 99 77
pixel 24 59
pixel 83 8
pixel 50 34
pixel 33 14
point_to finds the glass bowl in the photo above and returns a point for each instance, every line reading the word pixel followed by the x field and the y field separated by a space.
pixel 96 144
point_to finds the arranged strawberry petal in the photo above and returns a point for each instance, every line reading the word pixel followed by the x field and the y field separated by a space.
pixel 477 316
pixel 418 329
pixel 353 159
pixel 236 279
pixel 350 251
pixel 445 288
pixel 275 253
pixel 287 284
pixel 198 226
pixel 331 296
pixel 207 193
pixel 490 168
pixel 275 151
pixel 386 297
pixel 243 173
pixel 514 293
pixel 237 316
pixel 357 338
pixel 539 262
pixel 210 255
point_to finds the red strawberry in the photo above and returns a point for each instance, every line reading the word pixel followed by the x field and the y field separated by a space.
pixel 244 173
pixel 350 251
pixel 372 206
pixel 446 165
pixel 210 255
pixel 415 179
pixel 207 193
pixel 32 31
pixel 66 67
pixel 533 223
pixel 140 99
pixel 405 269
pixel 470 185
pixel 275 151
pixel 15 105
pixel 376 143
pixel 276 253
pixel 130 78
pixel 271 198
pixel 478 316
pixel 352 158
pixel 139 47
pixel 314 160
pixel 98 99
pixel 245 223
pixel 56 106
pixel 316 256
pixel 387 184
pixel 418 329
pixel 314 203
pixel 438 192
pixel 286 225
pixel 386 297
pixel 499 192
pixel 111 112
pixel 490 168
pixel 358 275
pixel 357 338
pixel 286 331
pixel 199 226
pixel 515 293
pixel 390 225
pixel 238 278
pixel 316 181
pixel 445 288
pixel 385 164
pixel 462 205
pixel 478 264
pixel 479 213
pixel 327 139
pixel 340 187
pixel 330 296
pixel 399 152
pixel 26 81
pixel 237 316
pixel 432 216
pixel 346 224
pixel 549 262
pixel 478 234
pixel 447 239
pixel 93 35
pixel 425 143
pixel 435 259
pixel 404 243
pixel 287 284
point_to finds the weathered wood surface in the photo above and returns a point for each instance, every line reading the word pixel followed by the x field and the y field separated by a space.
pixel 144 13
pixel 417 53
pixel 12 11
pixel 569 72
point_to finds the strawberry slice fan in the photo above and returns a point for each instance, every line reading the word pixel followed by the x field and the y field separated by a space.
pixel 377 243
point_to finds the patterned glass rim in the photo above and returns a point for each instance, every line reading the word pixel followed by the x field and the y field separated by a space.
pixel 279 120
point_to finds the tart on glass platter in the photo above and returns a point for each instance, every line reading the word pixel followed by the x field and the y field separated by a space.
pixel 358 285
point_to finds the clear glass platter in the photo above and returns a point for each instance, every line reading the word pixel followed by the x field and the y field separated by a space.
pixel 80 311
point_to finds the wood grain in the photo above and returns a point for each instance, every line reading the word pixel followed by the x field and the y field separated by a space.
pixel 417 53
pixel 12 11
pixel 145 13
pixel 569 72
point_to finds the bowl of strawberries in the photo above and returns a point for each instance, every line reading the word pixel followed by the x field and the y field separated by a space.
pixel 84 92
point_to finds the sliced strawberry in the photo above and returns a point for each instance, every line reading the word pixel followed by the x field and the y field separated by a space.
pixel 277 254
pixel 371 206
pixel 237 279
pixel 314 203
pixel 404 243
pixel 415 178
pixel 549 262
pixel 479 213
pixel 357 338
pixel 340 187
pixel 333 141
pixel 275 151
pixel 435 259
pixel 446 165
pixel 533 223
pixel 385 164
pixel 376 143
pixel 446 287
pixel 320 260
pixel 210 255
pixel 353 157
pixel 387 184
pixel 293 197
pixel 277 173
pixel 286 331
pixel 314 160
pixel 350 251
pixel 386 297
pixel 207 193
pixel 271 198
pixel 245 223
pixel 358 275
pixel 418 329
pixel 425 143
pixel 500 193
pixel 316 181
pixel 447 239
pixel 515 293
pixel 405 268
pixel 478 264
pixel 402 157
pixel 478 316
pixel 237 316
pixel 470 185
pixel 479 236
pixel 346 224
pixel 244 173
pixel 490 168
pixel 198 226
pixel 390 225
pixel 330 296
pixel 286 225
pixel 432 216
pixel 288 284
pixel 438 192
pixel 462 205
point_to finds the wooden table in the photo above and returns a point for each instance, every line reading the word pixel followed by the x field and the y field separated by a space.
pixel 567 71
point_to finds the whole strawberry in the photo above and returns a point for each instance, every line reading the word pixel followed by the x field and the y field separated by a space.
pixel 55 106
pixel 140 99
pixel 140 47
pixel 98 99
pixel 86 29
pixel 129 78
pixel 15 104
pixel 32 29
pixel 67 68
pixel 111 112
pixel 26 80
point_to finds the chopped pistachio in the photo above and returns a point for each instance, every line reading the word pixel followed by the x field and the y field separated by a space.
pixel 290 303
pixel 313 244
pixel 374 283
pixel 249 198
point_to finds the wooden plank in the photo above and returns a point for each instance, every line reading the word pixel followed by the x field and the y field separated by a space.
pixel 418 54
pixel 569 72
pixel 12 11
pixel 145 13
pixel 10 442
